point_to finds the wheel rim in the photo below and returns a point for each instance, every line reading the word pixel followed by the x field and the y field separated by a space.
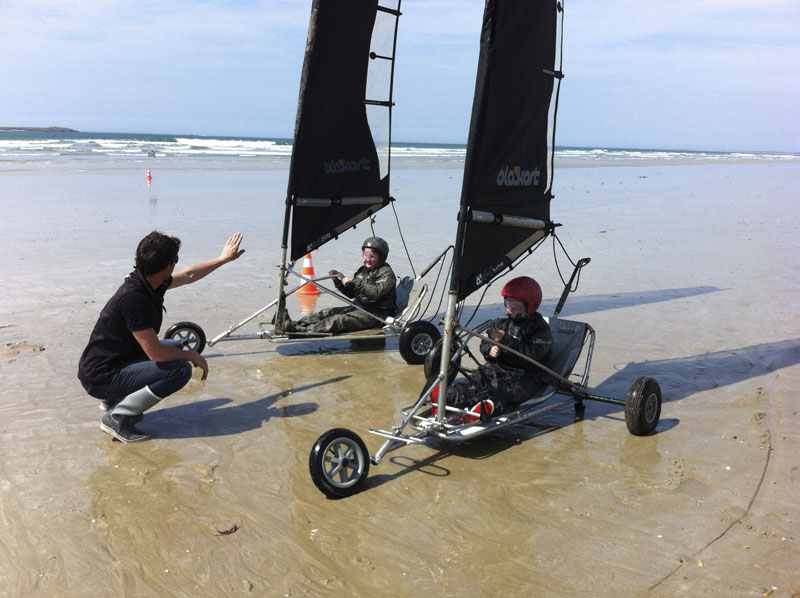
pixel 421 344
pixel 651 407
pixel 343 462
pixel 187 338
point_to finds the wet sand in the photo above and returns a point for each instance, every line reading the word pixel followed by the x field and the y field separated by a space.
pixel 693 280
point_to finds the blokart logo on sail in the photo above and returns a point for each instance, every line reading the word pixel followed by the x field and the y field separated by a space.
pixel 342 166
pixel 490 273
pixel 517 177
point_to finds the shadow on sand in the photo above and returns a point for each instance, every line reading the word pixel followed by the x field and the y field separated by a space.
pixel 685 376
pixel 219 417
pixel 593 303
pixel 587 304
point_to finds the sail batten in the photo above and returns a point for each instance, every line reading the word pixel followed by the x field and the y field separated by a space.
pixel 320 202
pixel 506 220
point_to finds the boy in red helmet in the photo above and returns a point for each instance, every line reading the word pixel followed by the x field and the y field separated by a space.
pixel 506 380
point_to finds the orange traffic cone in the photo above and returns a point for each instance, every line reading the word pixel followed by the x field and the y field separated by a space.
pixel 308 304
pixel 308 272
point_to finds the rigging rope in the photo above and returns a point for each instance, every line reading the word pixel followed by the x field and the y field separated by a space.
pixel 400 231
pixel 558 269
pixel 435 284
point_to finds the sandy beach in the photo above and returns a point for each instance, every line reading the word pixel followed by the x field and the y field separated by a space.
pixel 694 280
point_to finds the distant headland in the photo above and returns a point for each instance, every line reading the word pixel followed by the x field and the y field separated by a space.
pixel 41 129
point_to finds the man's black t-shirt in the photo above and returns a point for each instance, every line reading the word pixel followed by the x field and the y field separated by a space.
pixel 135 306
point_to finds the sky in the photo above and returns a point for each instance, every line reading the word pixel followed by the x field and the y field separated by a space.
pixel 720 75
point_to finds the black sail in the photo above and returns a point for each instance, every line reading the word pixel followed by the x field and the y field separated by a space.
pixel 508 167
pixel 339 171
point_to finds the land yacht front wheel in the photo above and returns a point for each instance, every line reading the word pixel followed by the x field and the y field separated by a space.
pixel 339 463
pixel 643 406
pixel 189 334
pixel 416 341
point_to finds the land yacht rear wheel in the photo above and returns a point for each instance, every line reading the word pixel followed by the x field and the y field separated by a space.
pixel 189 334
pixel 339 463
pixel 643 406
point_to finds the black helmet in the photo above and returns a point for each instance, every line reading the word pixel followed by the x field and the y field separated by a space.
pixel 377 244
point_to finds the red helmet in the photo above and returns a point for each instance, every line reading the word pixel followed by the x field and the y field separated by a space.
pixel 524 288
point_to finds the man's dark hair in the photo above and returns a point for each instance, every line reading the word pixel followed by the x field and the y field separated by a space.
pixel 156 251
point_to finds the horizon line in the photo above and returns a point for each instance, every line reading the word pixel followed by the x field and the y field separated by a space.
pixel 60 129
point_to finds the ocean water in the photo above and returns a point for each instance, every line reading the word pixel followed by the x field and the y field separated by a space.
pixel 46 149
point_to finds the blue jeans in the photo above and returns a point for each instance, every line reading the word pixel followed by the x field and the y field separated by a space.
pixel 163 378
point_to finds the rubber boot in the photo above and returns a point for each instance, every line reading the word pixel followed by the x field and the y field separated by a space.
pixel 283 322
pixel 118 421
pixel 482 412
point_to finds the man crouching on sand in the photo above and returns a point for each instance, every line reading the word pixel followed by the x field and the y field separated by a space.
pixel 125 365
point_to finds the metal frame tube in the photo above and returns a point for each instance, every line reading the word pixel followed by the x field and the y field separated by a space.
pixel 284 251
pixel 226 334
pixel 433 263
pixel 568 287
pixel 444 364
pixel 450 314
pixel 496 424
pixel 397 440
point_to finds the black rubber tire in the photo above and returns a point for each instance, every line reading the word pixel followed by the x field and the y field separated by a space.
pixel 643 406
pixel 339 463
pixel 416 341
pixel 190 334
pixel 433 362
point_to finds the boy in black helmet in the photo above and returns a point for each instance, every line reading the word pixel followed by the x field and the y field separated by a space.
pixel 372 288
pixel 506 380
